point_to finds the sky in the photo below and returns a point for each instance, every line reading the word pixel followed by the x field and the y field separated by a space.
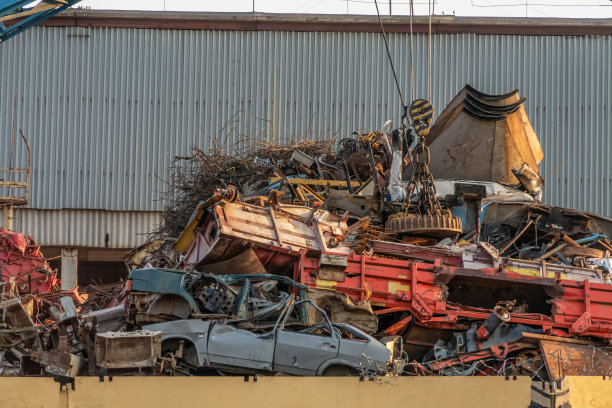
pixel 499 8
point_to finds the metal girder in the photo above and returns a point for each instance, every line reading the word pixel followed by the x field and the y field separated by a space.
pixel 23 18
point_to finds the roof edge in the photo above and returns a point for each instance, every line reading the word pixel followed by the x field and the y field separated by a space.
pixel 172 20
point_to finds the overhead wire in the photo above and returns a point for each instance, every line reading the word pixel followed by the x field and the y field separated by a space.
pixel 394 2
pixel 399 89
pixel 411 52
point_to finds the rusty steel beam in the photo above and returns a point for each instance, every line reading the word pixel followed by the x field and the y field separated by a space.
pixel 327 23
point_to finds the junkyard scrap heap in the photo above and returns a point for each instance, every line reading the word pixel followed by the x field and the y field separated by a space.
pixel 383 256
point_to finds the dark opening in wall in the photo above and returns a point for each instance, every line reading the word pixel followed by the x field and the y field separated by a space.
pixel 96 272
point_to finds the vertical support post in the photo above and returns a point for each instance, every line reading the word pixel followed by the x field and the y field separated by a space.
pixel 363 281
pixel 7 211
pixel 69 268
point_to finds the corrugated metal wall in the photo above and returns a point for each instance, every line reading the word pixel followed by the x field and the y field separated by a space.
pixel 70 228
pixel 106 109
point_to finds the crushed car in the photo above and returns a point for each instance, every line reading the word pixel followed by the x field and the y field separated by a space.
pixel 158 295
pixel 288 346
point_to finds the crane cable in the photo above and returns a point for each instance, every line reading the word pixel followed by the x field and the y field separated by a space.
pixel 430 6
pixel 430 11
pixel 411 53
pixel 399 90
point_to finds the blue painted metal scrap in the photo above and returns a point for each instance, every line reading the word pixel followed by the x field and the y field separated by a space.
pixel 23 17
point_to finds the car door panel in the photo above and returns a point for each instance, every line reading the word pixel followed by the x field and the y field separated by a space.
pixel 301 353
pixel 230 346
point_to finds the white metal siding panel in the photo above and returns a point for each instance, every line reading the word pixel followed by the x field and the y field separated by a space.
pixel 106 109
pixel 86 228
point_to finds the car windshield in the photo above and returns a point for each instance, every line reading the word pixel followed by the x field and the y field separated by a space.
pixel 348 334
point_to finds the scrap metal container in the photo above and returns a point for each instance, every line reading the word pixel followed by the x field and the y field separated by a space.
pixel 137 349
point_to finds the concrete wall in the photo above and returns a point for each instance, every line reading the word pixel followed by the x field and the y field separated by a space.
pixel 307 392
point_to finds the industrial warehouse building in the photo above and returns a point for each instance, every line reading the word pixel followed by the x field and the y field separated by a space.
pixel 108 99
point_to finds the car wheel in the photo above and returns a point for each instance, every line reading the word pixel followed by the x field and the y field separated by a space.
pixel 338 371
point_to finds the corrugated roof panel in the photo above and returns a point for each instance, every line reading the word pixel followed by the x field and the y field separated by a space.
pixel 106 109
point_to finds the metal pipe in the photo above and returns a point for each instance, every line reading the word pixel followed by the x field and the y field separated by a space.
pixel 500 314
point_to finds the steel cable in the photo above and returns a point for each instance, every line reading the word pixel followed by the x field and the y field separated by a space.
pixel 399 90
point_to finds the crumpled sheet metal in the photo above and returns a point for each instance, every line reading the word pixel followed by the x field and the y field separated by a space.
pixel 53 333
pixel 228 227
pixel 342 309
pixel 24 269
pixel 159 252
pixel 483 137
pixel 246 262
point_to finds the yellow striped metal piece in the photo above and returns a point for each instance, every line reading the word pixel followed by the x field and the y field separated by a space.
pixel 421 115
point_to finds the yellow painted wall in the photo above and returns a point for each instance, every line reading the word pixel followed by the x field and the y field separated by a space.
pixel 590 392
pixel 311 392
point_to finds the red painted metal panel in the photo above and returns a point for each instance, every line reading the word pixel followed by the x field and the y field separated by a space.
pixel 583 308
pixel 22 266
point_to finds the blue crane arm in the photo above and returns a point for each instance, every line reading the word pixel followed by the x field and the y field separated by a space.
pixel 15 17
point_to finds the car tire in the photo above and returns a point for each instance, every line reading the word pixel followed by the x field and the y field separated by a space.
pixel 339 371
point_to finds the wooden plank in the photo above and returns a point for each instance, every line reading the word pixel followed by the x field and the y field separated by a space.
pixel 18 184
pixel 315 182
pixel 278 234
pixel 300 194
pixel 549 253
pixel 536 336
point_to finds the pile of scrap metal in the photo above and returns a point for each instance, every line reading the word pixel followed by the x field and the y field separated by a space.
pixel 54 334
pixel 352 263
pixel 44 330
pixel 471 269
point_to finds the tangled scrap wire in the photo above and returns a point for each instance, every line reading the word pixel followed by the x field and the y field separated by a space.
pixel 371 370
pixel 592 360
pixel 246 164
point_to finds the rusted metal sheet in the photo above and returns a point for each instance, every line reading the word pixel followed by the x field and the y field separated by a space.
pixel 341 308
pixel 569 359
pixel 15 313
pixel 483 137
pixel 246 262
pixel 60 362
